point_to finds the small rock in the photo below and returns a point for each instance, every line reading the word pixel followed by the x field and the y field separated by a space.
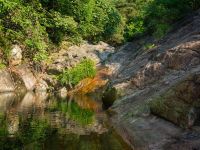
pixel 15 55
pixel 63 92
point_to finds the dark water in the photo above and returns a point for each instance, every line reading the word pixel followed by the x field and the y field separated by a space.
pixel 43 122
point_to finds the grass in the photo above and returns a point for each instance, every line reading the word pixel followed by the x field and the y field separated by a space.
pixel 85 69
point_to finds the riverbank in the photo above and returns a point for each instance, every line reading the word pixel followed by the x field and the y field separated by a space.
pixel 160 81
pixel 155 85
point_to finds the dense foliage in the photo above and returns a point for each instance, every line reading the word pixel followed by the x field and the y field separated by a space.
pixel 38 25
pixel 153 16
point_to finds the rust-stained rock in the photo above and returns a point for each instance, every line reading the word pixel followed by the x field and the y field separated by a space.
pixel 91 85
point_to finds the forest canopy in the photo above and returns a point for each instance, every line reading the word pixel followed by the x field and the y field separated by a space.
pixel 39 24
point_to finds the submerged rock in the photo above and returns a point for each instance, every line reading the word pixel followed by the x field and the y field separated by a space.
pixel 6 99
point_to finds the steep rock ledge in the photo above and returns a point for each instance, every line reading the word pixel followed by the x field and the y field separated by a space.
pixel 140 76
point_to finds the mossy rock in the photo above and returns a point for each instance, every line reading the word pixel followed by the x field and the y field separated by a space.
pixel 180 104
pixel 175 111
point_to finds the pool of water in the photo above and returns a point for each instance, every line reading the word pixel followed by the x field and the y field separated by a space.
pixel 42 122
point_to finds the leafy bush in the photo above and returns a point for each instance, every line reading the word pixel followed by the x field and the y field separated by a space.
pixel 40 25
pixel 153 16
pixel 2 66
pixel 85 69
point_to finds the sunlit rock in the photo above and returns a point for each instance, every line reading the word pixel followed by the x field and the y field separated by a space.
pixel 93 85
pixel 24 78
pixel 15 55
pixel 6 99
pixel 41 86
pixel 70 57
pixel 63 92
pixel 6 82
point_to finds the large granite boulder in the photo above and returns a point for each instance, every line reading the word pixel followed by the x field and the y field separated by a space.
pixel 181 104
pixel 68 58
pixel 24 78
pixel 6 82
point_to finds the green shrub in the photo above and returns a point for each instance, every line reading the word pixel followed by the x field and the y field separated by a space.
pixel 2 66
pixel 85 69
pixel 154 17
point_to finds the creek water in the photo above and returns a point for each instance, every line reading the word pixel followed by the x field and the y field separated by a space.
pixel 42 122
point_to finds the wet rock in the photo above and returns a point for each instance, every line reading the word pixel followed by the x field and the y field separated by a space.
pixel 6 82
pixel 109 96
pixel 15 55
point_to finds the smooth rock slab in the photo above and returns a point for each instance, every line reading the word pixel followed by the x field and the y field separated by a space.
pixel 24 78
pixel 6 82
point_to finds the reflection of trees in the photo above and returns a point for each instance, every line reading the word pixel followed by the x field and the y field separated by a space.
pixel 32 132
pixel 73 111
pixel 34 123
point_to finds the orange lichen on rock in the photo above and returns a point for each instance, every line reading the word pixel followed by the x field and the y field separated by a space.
pixel 90 85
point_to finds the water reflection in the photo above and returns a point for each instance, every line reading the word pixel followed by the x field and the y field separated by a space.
pixel 40 121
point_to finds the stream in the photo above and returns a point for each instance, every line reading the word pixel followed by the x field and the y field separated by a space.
pixel 42 122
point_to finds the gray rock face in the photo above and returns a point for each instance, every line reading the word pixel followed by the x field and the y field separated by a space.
pixel 24 78
pixel 15 55
pixel 141 76
pixel 6 82
pixel 68 58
